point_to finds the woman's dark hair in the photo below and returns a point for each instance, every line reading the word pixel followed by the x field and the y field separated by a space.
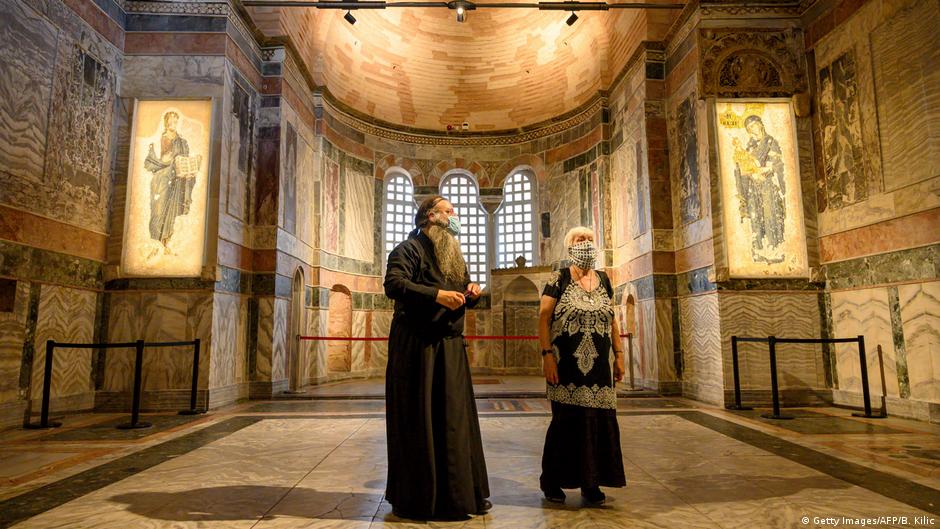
pixel 421 217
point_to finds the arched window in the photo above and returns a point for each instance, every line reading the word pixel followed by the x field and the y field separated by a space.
pixel 399 210
pixel 461 190
pixel 515 223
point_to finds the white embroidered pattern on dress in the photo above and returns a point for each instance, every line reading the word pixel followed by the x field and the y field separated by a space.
pixel 589 313
pixel 589 397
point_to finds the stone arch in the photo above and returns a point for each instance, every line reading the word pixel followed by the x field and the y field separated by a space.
pixel 339 324
pixel 446 167
pixel 529 162
pixel 521 318
pixel 391 162
pixel 296 326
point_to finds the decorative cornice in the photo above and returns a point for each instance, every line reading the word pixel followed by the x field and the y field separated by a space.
pixel 739 10
pixel 389 131
pixel 178 8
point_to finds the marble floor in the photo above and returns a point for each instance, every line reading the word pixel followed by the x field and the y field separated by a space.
pixel 321 463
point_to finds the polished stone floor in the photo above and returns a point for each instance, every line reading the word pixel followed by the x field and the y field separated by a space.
pixel 321 463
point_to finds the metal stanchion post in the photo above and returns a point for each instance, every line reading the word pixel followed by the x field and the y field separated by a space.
pixel 772 343
pixel 866 392
pixel 135 408
pixel 46 391
pixel 737 377
pixel 193 394
pixel 884 385
pixel 630 352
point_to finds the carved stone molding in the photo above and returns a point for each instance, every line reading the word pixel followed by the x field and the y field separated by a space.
pixel 178 8
pixel 748 63
pixel 344 115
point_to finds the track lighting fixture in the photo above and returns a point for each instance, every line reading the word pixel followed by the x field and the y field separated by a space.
pixel 461 6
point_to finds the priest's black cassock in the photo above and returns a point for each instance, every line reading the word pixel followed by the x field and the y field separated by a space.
pixel 435 455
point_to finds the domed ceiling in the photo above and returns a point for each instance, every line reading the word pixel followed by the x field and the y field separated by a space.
pixel 501 69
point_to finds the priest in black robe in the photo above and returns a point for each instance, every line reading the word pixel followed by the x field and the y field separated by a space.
pixel 435 456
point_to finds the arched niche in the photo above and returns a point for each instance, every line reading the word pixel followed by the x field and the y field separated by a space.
pixel 297 325
pixel 520 318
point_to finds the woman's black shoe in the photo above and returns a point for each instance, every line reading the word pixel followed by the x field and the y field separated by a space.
pixel 593 495
pixel 555 495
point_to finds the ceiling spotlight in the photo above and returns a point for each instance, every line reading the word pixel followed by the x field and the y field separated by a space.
pixel 349 18
pixel 461 6
pixel 572 19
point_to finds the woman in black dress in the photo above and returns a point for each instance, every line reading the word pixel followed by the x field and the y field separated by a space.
pixel 581 359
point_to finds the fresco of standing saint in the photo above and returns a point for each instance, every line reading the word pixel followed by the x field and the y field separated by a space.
pixel 174 176
pixel 167 187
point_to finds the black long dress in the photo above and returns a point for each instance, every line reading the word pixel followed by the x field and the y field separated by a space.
pixel 582 445
pixel 435 455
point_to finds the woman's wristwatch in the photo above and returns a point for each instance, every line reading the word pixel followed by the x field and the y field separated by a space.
pixel 547 352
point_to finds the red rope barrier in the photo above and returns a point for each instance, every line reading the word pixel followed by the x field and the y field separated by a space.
pixel 385 338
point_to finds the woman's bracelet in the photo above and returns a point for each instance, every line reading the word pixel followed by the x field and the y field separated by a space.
pixel 616 352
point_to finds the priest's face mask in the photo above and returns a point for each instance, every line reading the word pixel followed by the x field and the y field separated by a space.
pixel 444 216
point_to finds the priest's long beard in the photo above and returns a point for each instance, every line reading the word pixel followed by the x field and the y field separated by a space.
pixel 447 251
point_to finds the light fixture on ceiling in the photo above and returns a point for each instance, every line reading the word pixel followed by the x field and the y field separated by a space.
pixel 572 19
pixel 349 18
pixel 461 6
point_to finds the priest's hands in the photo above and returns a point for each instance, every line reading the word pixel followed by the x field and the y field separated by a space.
pixel 473 291
pixel 550 368
pixel 450 299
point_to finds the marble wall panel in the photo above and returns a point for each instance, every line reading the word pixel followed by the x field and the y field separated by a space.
pixel 27 59
pixel 265 343
pixel 65 315
pixel 316 351
pixel 381 325
pixel 239 151
pixel 228 358
pixel 56 115
pixel 12 334
pixel 330 218
pixel 785 315
pixel 864 312
pixel 308 221
pixel 358 226
pixel 920 316
pixel 521 319
pixel 279 339
pixel 159 317
pixel 288 185
pixel 905 53
pixel 359 362
pixel 340 324
pixel 173 76
pixel 486 354
pixel 665 341
pixel 700 339
pixel 646 354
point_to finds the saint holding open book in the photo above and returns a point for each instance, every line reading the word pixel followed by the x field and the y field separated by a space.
pixel 174 176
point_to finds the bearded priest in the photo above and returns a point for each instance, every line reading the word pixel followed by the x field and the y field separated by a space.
pixel 435 456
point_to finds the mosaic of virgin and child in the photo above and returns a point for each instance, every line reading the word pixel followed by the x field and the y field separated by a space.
pixel 761 187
